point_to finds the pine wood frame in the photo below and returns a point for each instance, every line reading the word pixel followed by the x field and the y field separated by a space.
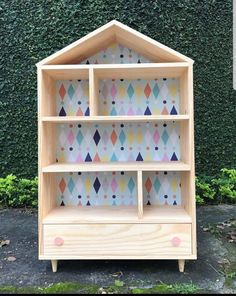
pixel 182 222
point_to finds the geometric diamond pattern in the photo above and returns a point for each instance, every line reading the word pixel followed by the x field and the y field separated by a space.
pixel 109 142
pixel 152 96
pixel 96 189
pixel 161 188
pixel 72 97
pixel 116 54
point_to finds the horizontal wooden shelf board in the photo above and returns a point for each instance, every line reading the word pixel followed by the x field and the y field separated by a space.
pixel 166 214
pixel 92 215
pixel 119 166
pixel 115 66
pixel 107 257
pixel 125 118
pixel 116 215
pixel 132 71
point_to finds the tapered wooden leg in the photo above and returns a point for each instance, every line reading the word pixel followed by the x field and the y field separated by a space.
pixel 181 265
pixel 54 265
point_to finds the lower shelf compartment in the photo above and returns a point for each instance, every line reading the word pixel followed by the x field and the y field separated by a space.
pixel 129 214
pixel 117 240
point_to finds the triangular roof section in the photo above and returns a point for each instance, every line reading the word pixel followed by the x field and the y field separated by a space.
pixel 108 34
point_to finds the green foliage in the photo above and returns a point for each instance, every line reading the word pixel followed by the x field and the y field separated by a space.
pixel 188 26
pixel 218 190
pixel 204 190
pixel 21 192
pixel 226 185
pixel 15 192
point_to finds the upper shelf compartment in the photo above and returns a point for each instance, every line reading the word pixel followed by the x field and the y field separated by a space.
pixel 115 90
pixel 65 92
pixel 134 90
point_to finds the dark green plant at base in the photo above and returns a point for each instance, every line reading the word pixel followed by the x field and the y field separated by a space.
pixel 221 189
pixel 16 192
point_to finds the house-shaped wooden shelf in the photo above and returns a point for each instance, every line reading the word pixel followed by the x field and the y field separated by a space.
pixel 116 150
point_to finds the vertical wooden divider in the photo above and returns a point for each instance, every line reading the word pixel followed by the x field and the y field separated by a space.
pixel 93 93
pixel 192 161
pixel 140 193
pixel 40 175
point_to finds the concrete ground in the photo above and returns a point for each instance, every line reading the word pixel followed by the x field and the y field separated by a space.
pixel 214 271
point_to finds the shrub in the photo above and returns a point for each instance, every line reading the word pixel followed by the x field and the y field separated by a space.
pixel 16 192
pixel 204 190
pixel 226 185
pixel 221 189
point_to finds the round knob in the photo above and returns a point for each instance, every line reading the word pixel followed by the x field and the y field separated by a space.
pixel 176 241
pixel 58 241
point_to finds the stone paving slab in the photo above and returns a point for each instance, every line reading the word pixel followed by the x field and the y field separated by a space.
pixel 20 227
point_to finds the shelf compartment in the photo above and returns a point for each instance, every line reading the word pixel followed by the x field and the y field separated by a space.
pixel 65 93
pixel 145 91
pixel 124 118
pixel 126 166
pixel 166 196
pixel 139 97
pixel 118 142
pixel 93 189
pixel 162 188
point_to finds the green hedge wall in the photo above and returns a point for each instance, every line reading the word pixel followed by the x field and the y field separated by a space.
pixel 33 29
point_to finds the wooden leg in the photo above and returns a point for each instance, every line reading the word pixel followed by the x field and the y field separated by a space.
pixel 54 265
pixel 181 265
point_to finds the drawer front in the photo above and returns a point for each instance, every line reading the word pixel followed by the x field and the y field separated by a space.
pixel 117 240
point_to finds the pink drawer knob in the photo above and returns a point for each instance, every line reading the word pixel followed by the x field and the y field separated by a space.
pixel 176 241
pixel 58 241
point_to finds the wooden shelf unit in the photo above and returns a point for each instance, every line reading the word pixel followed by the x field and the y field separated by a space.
pixel 116 149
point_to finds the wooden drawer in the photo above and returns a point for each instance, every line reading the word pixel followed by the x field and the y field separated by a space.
pixel 105 241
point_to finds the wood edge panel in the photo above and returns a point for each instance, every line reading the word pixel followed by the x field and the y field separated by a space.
pixel 172 257
pixel 93 93
pixel 192 159
pixel 40 218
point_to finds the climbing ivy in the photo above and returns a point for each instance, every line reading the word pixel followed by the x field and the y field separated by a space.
pixel 33 29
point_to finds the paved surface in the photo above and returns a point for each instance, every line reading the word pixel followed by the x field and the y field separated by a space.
pixel 20 227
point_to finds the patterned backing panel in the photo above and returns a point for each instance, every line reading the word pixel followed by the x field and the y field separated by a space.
pixel 107 142
pixel 161 188
pixel 116 54
pixel 139 97
pixel 72 97
pixel 97 189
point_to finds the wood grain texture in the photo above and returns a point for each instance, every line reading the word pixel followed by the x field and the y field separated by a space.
pixel 123 118
pixel 116 166
pixel 113 215
pixel 54 265
pixel 192 160
pixel 117 240
pixel 181 265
